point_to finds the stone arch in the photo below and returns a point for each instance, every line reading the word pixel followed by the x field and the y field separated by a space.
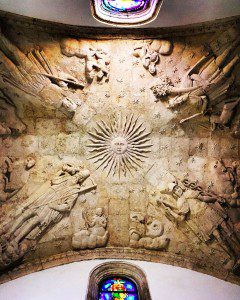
pixel 116 268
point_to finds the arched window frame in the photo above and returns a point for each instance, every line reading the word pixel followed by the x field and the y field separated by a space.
pixel 148 14
pixel 114 268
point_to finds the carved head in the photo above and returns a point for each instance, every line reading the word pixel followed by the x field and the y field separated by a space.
pixel 137 217
pixel 99 211
pixel 70 169
pixel 177 190
pixel 29 162
pixel 84 174
pixel 6 166
pixel 154 229
pixel 119 145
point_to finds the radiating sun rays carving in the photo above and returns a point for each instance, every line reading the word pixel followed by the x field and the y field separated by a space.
pixel 121 146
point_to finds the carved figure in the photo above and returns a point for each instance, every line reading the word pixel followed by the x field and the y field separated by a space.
pixel 93 234
pixel 31 77
pixel 6 169
pixel 150 53
pixel 43 209
pixel 226 182
pixel 147 233
pixel 137 228
pixel 9 121
pixel 204 216
pixel 97 61
pixel 13 176
pixel 236 130
pixel 206 86
pixel 173 200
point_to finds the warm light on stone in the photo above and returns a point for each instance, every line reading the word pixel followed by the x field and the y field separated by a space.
pixel 119 144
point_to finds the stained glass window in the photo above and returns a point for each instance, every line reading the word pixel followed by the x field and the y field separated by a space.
pixel 124 5
pixel 117 288
pixel 126 12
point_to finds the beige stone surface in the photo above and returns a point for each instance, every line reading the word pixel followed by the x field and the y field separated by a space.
pixel 116 118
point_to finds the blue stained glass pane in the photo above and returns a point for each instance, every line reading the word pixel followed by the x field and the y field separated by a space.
pixel 124 5
pixel 118 284
pixel 132 297
pixel 105 296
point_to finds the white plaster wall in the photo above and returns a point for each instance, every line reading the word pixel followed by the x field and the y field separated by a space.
pixel 165 282
pixel 78 12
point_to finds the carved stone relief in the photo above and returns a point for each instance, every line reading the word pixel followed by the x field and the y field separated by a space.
pixel 92 232
pixel 97 61
pixel 120 146
pixel 147 232
pixel 208 86
pixel 111 123
pixel 14 174
pixel 43 209
pixel 31 76
pixel 150 53
pixel 225 179
pixel 204 212
pixel 10 123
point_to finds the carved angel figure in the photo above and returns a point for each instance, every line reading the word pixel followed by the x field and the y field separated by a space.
pixel 93 234
pixel 97 61
pixel 151 52
pixel 206 86
pixel 43 209
pixel 203 214
pixel 13 176
pixel 31 77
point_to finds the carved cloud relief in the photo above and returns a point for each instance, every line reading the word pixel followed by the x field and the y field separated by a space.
pixel 152 109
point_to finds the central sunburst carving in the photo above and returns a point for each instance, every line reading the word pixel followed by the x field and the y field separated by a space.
pixel 120 146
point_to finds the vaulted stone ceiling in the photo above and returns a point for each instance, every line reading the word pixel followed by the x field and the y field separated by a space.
pixel 119 146
pixel 78 12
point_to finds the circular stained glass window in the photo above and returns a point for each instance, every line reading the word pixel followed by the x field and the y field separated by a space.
pixel 117 288
pixel 125 5
pixel 126 12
